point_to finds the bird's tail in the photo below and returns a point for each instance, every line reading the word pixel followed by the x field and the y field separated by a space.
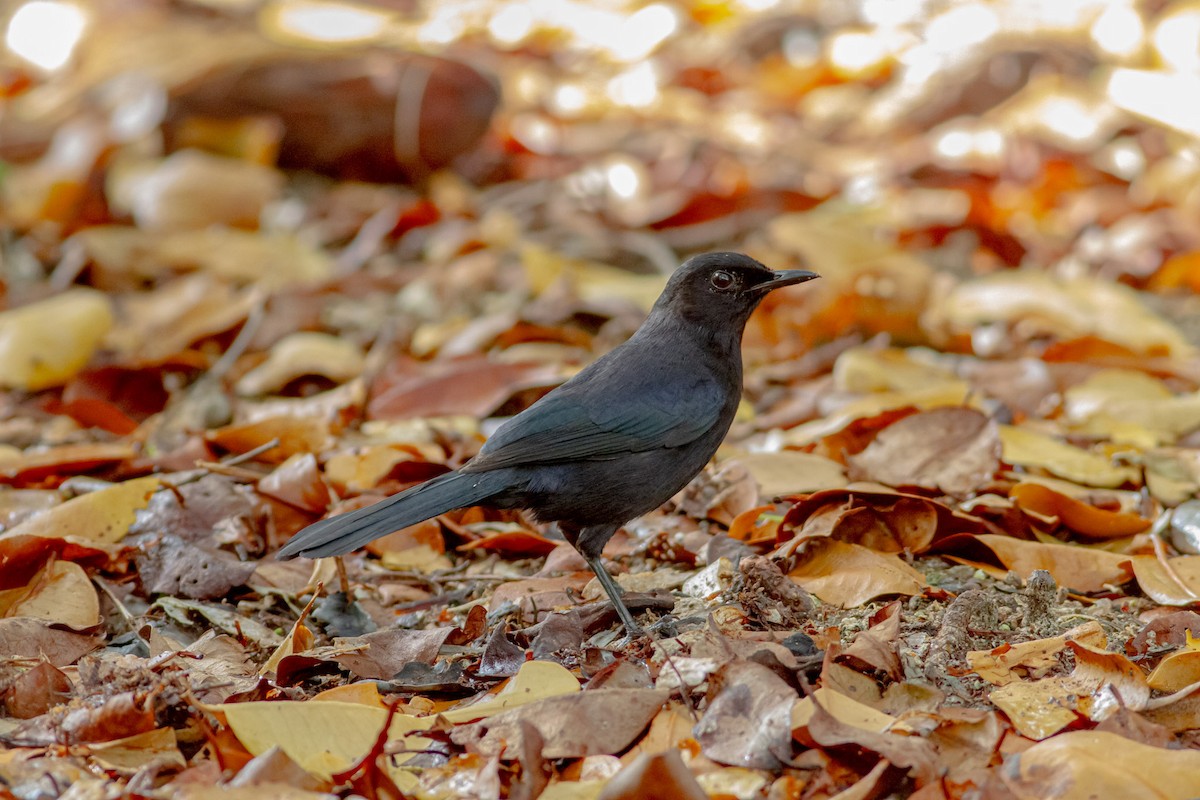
pixel 345 532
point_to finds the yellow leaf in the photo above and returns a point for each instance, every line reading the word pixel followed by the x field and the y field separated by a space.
pixel 1180 586
pixel 46 343
pixel 1027 448
pixel 323 738
pixel 790 471
pixel 157 747
pixel 535 680
pixel 844 709
pixel 1084 765
pixel 60 593
pixel 102 516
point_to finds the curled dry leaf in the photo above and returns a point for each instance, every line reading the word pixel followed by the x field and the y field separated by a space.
pixel 48 342
pixel 1177 583
pixel 848 575
pixel 60 593
pixel 953 450
pixel 1101 683
pixel 1078 515
pixel 1034 659
pixel 297 482
pixel 302 354
pixel 1179 669
pixel 877 517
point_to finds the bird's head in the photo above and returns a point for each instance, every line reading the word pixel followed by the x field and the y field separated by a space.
pixel 722 289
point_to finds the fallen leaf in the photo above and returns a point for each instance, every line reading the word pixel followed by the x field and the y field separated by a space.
pixel 1034 659
pixel 104 516
pixel 1064 308
pixel 46 343
pixel 299 355
pixel 323 738
pixel 845 709
pixel 1126 405
pixel 384 653
pixel 792 472
pixel 156 749
pixel 1083 765
pixel 1027 448
pixel 1178 586
pixel 954 449
pixel 1079 516
pixel 662 776
pixel 1177 670
pixel 1080 568
pixel 294 434
pixel 60 593
pixel 614 717
pixel 536 680
pixel 748 722
pixel 848 575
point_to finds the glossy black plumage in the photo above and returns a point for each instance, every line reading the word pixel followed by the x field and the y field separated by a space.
pixel 612 443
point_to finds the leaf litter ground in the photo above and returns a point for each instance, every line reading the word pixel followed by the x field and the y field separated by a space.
pixel 948 551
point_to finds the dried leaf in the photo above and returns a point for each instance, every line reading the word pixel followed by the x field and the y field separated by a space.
pixel 954 450
pixel 1091 764
pixel 47 343
pixel 104 516
pixel 848 575
pixel 1027 448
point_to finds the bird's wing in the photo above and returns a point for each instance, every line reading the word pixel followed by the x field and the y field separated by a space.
pixel 582 422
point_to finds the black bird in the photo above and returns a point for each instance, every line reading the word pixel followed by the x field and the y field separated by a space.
pixel 614 442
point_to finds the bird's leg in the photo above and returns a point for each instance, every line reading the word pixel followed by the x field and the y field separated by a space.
pixel 590 542
pixel 614 594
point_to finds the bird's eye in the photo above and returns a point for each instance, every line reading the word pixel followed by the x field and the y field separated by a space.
pixel 722 280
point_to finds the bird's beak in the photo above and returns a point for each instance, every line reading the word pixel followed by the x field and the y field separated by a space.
pixel 785 277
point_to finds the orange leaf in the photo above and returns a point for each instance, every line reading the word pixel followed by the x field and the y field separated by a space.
pixel 1081 517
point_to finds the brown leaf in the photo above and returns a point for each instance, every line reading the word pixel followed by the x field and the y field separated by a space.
pixel 748 722
pixel 909 752
pixel 472 386
pixel 35 691
pixel 1079 568
pixel 297 482
pixel 22 637
pixel 875 648
pixel 614 718
pixel 849 575
pixel 386 652
pixel 953 450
